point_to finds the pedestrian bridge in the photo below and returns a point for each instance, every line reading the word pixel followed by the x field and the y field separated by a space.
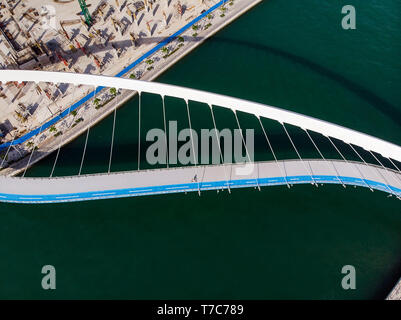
pixel 214 177
pixel 195 178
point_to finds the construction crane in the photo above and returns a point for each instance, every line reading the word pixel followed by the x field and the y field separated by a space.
pixel 85 12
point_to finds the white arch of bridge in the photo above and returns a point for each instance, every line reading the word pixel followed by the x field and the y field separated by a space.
pixel 367 142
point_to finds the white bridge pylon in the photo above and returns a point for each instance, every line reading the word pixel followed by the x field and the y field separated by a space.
pixel 146 182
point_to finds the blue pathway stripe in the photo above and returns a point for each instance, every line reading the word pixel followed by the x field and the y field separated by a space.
pixel 188 187
pixel 76 105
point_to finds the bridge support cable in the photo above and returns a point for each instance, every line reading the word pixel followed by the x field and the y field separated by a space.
pixel 84 152
pixel 33 150
pixel 165 130
pixel 299 156
pixel 139 130
pixel 370 167
pixel 112 139
pixel 274 155
pixel 386 169
pixel 86 139
pixel 12 141
pixel 327 162
pixel 193 145
pixel 246 148
pixel 8 150
pixel 61 140
pixel 395 166
pixel 218 144
pixel 55 160
pixel 357 168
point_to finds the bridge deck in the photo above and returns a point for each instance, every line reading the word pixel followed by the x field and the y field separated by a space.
pixel 158 181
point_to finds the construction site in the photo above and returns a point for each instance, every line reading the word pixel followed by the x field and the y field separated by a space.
pixel 91 37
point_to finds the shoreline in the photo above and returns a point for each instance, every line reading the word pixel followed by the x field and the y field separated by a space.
pixel 53 143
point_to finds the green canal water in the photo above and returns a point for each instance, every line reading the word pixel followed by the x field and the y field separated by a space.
pixel 276 243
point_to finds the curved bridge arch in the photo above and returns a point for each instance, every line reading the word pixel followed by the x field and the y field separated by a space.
pixel 386 149
pixel 61 189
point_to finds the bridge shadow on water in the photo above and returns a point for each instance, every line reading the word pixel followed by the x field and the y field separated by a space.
pixel 379 103
pixel 370 97
pixel 365 94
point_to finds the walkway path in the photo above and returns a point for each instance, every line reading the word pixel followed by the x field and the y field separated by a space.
pixel 173 180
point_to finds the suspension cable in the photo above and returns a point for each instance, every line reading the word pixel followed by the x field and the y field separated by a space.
pixel 33 150
pixel 112 138
pixel 218 143
pixel 12 141
pixel 61 139
pixel 324 159
pixel 395 166
pixel 274 155
pixel 299 156
pixel 87 137
pixel 139 129
pixel 8 150
pixel 165 130
pixel 353 164
pixel 370 167
pixel 246 148
pixel 385 170
pixel 193 145
pixel 398 169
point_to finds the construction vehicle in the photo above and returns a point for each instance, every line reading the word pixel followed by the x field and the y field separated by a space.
pixel 85 12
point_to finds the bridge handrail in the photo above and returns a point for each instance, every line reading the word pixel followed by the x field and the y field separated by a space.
pixel 88 175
